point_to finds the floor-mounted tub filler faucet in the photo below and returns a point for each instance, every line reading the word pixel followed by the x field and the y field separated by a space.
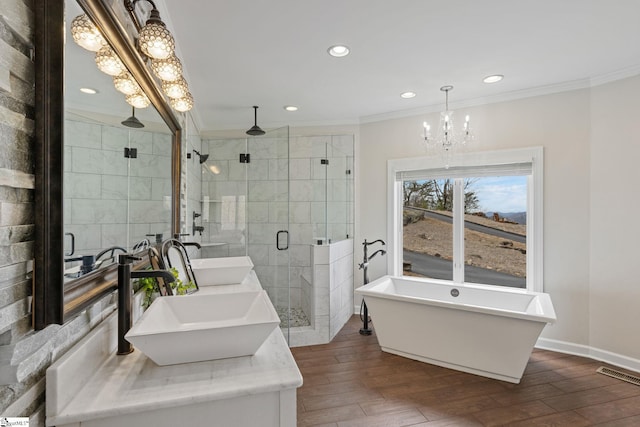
pixel 125 295
pixel 364 312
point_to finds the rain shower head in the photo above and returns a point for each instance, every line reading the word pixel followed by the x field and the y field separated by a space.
pixel 203 157
pixel 132 121
pixel 255 129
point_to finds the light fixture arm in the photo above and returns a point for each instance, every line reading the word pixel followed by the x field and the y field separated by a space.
pixel 154 16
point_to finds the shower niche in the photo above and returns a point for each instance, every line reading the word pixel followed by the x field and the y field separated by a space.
pixel 287 202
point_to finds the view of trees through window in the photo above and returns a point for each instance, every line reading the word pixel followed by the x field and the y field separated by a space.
pixel 495 217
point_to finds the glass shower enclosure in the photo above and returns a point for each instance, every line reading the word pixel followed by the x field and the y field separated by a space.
pixel 245 208
pixel 276 198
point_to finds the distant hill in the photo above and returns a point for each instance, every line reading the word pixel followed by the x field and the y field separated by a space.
pixel 519 217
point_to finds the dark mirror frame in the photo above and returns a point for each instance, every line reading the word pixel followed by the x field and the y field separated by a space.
pixel 53 300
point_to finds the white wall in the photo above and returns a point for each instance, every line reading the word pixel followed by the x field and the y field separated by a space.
pixel 588 248
pixel 614 225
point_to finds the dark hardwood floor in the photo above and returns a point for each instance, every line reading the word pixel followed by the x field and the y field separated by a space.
pixel 351 382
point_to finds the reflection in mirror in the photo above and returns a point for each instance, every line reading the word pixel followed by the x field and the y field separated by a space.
pixel 174 255
pixel 117 191
pixel 117 167
pixel 112 202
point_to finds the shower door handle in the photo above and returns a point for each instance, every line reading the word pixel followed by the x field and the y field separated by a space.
pixel 286 233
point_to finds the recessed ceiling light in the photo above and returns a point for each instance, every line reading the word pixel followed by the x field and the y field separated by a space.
pixel 291 108
pixel 88 90
pixel 338 51
pixel 493 79
pixel 408 95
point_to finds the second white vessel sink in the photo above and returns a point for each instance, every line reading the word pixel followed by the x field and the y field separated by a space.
pixel 193 328
pixel 221 271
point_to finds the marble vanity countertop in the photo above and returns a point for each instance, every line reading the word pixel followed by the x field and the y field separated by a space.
pixel 133 383
pixel 122 385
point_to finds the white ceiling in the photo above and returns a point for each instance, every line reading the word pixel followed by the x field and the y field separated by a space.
pixel 274 53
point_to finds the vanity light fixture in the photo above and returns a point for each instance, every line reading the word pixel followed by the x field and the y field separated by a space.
pixel 154 39
pixel 175 89
pixel 338 51
pixel 85 33
pixel 408 95
pixel 108 62
pixel 447 137
pixel 169 69
pixel 493 78
pixel 138 100
pixel 183 104
pixel 291 108
pixel 126 84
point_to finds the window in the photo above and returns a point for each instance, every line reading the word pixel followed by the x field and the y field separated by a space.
pixel 477 222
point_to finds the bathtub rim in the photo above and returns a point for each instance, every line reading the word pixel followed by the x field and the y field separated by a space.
pixel 543 299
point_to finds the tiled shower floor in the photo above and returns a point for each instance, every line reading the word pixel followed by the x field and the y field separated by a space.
pixel 298 317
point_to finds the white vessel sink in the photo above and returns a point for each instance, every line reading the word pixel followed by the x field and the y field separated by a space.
pixel 194 328
pixel 221 271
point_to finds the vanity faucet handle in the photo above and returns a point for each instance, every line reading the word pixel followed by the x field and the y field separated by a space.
pixel 127 258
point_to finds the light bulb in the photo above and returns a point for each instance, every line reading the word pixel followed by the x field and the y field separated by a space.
pixel 126 84
pixel 182 104
pixel 85 33
pixel 175 89
pixel 168 69
pixel 108 62
pixel 156 41
pixel 138 100
pixel 338 51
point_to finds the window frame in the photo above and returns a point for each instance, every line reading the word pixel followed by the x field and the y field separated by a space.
pixel 535 185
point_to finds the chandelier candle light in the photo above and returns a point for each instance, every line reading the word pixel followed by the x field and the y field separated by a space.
pixel 447 136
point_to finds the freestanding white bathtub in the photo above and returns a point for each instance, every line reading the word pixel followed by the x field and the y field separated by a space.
pixel 481 331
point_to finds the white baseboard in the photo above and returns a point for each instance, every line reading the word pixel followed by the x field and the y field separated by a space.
pixel 615 359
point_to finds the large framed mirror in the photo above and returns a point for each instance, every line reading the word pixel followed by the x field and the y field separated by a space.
pixel 68 206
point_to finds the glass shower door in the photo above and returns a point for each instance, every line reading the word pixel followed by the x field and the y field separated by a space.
pixel 268 217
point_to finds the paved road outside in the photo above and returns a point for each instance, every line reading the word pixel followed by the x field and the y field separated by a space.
pixel 439 268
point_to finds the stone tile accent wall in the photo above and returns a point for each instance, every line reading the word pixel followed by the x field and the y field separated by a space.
pixel 24 354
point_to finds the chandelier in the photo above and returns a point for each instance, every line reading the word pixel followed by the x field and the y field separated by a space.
pixel 447 136
pixel 155 43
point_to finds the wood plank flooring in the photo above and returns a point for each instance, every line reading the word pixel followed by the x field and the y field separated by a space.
pixel 351 382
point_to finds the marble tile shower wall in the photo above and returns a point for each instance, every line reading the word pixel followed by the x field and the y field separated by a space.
pixel 111 200
pixel 224 178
